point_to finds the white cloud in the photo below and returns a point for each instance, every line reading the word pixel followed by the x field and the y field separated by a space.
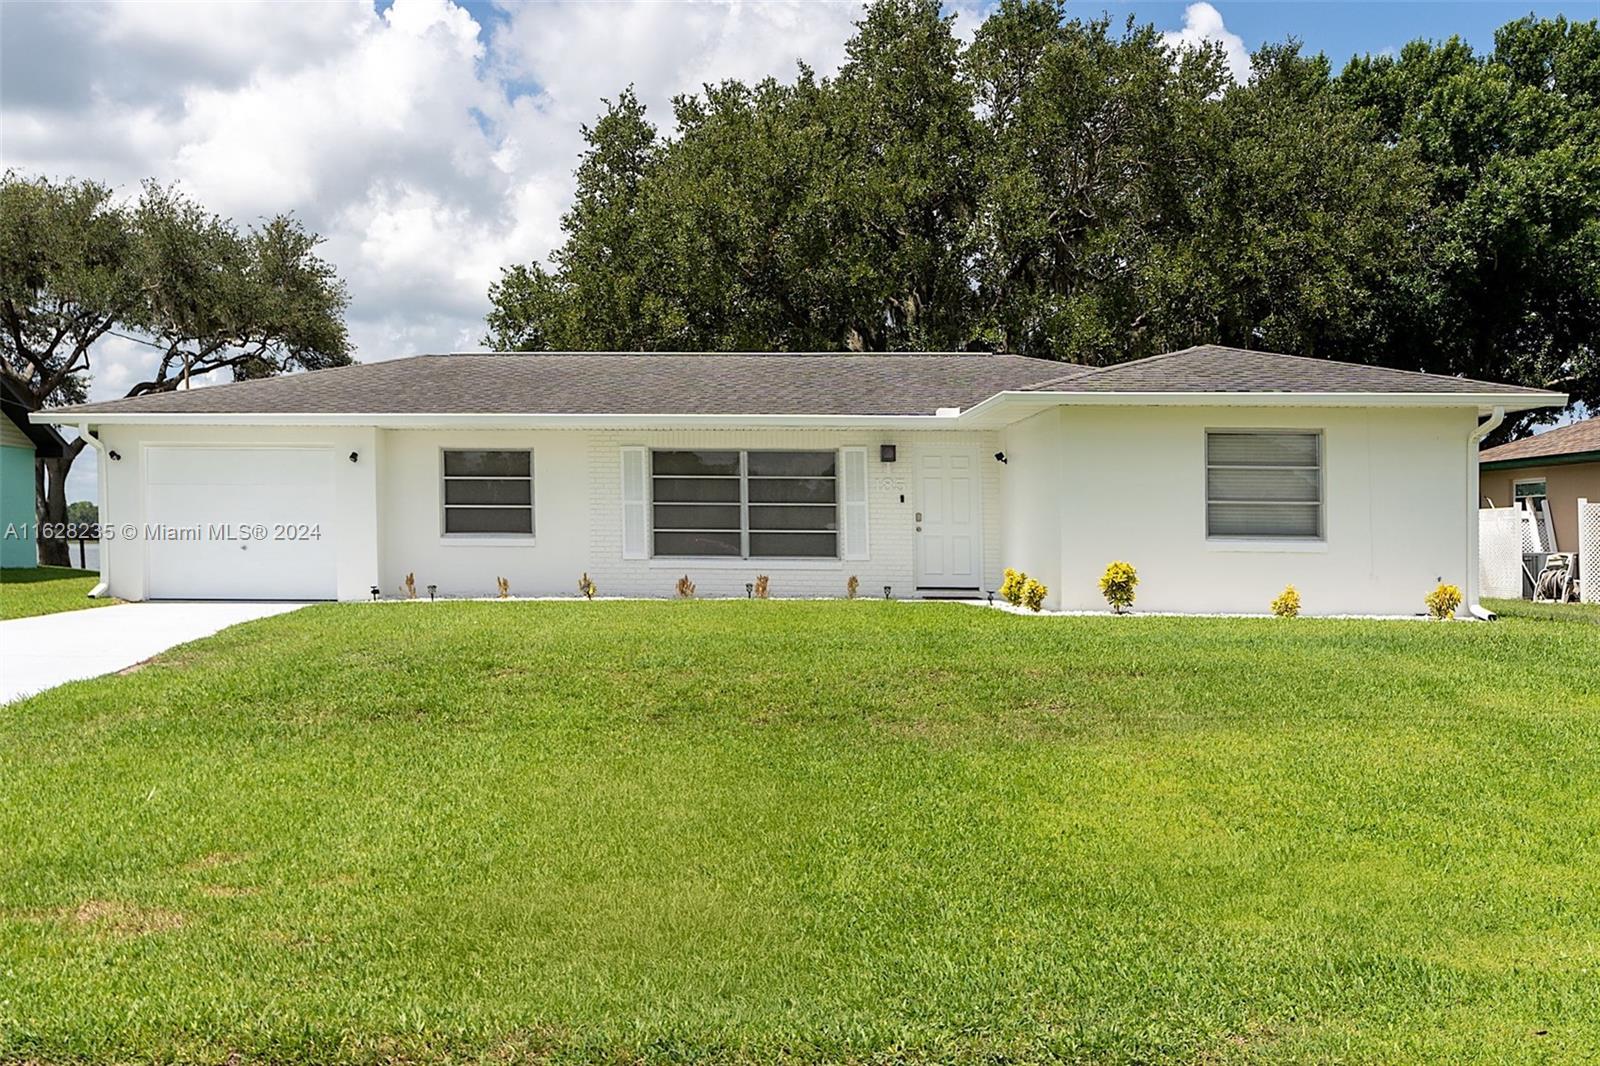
pixel 430 148
pixel 1202 24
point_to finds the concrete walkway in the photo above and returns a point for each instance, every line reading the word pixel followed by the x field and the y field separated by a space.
pixel 52 649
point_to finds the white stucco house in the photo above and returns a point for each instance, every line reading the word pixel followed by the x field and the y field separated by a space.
pixel 1221 474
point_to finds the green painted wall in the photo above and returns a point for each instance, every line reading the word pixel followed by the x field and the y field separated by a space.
pixel 16 507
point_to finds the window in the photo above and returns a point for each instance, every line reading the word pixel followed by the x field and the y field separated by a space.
pixel 488 493
pixel 1530 489
pixel 1264 484
pixel 750 504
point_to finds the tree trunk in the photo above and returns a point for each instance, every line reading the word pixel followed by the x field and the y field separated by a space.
pixel 51 506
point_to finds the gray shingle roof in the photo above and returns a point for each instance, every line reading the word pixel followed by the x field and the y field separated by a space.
pixel 1577 439
pixel 1214 368
pixel 755 384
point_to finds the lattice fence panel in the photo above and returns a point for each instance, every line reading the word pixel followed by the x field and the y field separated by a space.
pixel 1589 550
pixel 1500 553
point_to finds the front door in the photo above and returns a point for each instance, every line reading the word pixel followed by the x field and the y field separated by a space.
pixel 949 555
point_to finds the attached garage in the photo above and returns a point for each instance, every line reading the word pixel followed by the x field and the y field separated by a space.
pixel 244 523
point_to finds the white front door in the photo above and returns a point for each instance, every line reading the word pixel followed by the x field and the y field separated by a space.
pixel 949 554
pixel 253 523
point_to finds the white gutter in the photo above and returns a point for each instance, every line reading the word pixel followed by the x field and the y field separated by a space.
pixel 100 476
pixel 1482 430
pixel 531 420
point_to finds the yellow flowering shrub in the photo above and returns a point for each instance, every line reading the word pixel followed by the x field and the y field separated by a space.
pixel 1033 594
pixel 1012 585
pixel 1443 601
pixel 1117 585
pixel 1287 605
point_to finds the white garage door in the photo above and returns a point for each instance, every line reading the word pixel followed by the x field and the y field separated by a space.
pixel 239 524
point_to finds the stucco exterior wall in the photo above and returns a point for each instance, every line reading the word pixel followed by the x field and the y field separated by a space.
pixel 1081 486
pixel 18 546
pixel 1131 485
pixel 354 525
pixel 1566 484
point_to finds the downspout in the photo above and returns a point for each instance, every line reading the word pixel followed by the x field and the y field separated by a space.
pixel 1483 429
pixel 104 586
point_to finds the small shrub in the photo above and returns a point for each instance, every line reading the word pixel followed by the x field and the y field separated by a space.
pixel 1287 605
pixel 1033 594
pixel 504 586
pixel 1117 585
pixel 761 586
pixel 586 587
pixel 685 587
pixel 410 587
pixel 1443 601
pixel 1012 585
pixel 851 587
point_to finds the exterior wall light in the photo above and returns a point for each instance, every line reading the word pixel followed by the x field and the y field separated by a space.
pixel 1000 457
pixel 886 453
pixel 354 456
pixel 114 456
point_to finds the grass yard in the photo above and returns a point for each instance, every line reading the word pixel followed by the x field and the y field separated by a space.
pixel 34 590
pixel 1549 612
pixel 753 831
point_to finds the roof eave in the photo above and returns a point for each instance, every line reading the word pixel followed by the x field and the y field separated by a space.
pixel 473 420
pixel 1011 406
pixel 1558 459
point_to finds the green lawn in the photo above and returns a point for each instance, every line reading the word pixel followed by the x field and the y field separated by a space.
pixel 1566 612
pixel 27 591
pixel 748 831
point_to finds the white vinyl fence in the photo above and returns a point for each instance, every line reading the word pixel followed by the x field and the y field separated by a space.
pixel 1589 550
pixel 1500 553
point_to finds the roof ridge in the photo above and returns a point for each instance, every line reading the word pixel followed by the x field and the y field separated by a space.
pixel 1090 371
pixel 639 354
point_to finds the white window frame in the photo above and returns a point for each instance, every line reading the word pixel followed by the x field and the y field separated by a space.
pixel 481 539
pixel 744 558
pixel 1257 542
pixel 1545 495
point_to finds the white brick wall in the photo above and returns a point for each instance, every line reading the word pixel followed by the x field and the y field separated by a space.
pixel 891 522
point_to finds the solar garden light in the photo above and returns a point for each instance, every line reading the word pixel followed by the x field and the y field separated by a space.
pixel 374 594
pixel 749 590
pixel 886 591
pixel 435 588
pixel 990 594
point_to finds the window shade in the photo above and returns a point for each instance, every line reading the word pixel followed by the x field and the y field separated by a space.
pixel 487 493
pixel 1264 484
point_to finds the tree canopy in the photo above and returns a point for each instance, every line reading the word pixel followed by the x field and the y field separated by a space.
pixel 1075 190
pixel 77 264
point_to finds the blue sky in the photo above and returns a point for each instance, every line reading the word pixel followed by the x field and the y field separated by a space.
pixel 1353 28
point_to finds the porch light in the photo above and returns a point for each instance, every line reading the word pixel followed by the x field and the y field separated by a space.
pixel 886 453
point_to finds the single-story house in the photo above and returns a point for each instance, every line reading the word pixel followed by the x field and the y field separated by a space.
pixel 1560 465
pixel 21 442
pixel 1221 474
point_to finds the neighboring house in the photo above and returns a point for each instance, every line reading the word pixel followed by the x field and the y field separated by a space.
pixel 1560 465
pixel 21 442
pixel 1222 474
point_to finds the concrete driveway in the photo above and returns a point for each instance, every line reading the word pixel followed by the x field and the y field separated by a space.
pixel 52 649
